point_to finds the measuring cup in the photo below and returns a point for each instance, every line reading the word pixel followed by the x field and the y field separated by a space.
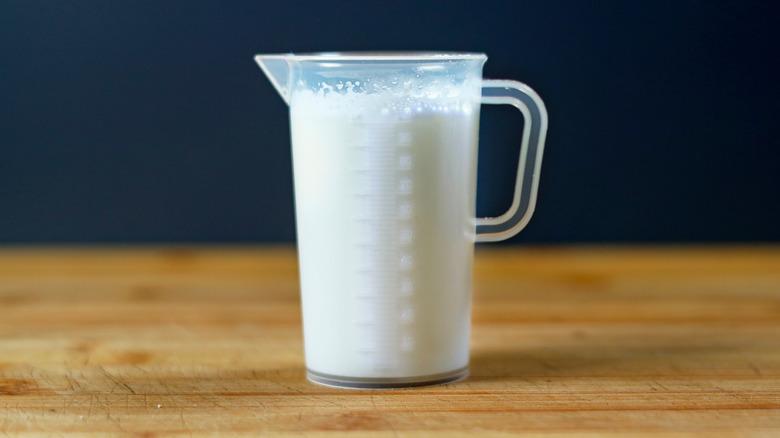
pixel 384 160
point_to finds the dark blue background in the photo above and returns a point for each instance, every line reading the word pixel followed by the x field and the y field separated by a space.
pixel 148 121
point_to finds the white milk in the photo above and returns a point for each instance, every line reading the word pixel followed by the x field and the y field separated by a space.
pixel 385 205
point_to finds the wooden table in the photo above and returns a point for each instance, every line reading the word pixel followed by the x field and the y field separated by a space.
pixel 573 341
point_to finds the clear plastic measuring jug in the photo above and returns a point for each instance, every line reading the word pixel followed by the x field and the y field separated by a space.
pixel 384 162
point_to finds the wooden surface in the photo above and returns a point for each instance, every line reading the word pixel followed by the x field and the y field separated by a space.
pixel 582 341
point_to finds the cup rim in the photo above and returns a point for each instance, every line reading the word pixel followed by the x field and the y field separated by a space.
pixel 380 56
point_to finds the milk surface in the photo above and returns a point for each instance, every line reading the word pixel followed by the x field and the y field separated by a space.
pixel 385 200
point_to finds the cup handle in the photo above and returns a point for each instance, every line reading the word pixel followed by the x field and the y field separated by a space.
pixel 522 97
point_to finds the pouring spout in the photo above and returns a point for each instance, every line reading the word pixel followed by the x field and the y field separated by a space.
pixel 277 69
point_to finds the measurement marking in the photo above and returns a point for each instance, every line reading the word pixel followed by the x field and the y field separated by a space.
pixel 382 213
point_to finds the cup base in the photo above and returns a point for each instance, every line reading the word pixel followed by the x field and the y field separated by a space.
pixel 386 382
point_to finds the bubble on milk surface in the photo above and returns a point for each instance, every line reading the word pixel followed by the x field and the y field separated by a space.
pixel 403 95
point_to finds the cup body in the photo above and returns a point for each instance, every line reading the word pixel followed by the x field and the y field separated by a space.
pixel 384 156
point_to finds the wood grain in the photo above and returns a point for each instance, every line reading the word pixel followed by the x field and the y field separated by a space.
pixel 567 341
